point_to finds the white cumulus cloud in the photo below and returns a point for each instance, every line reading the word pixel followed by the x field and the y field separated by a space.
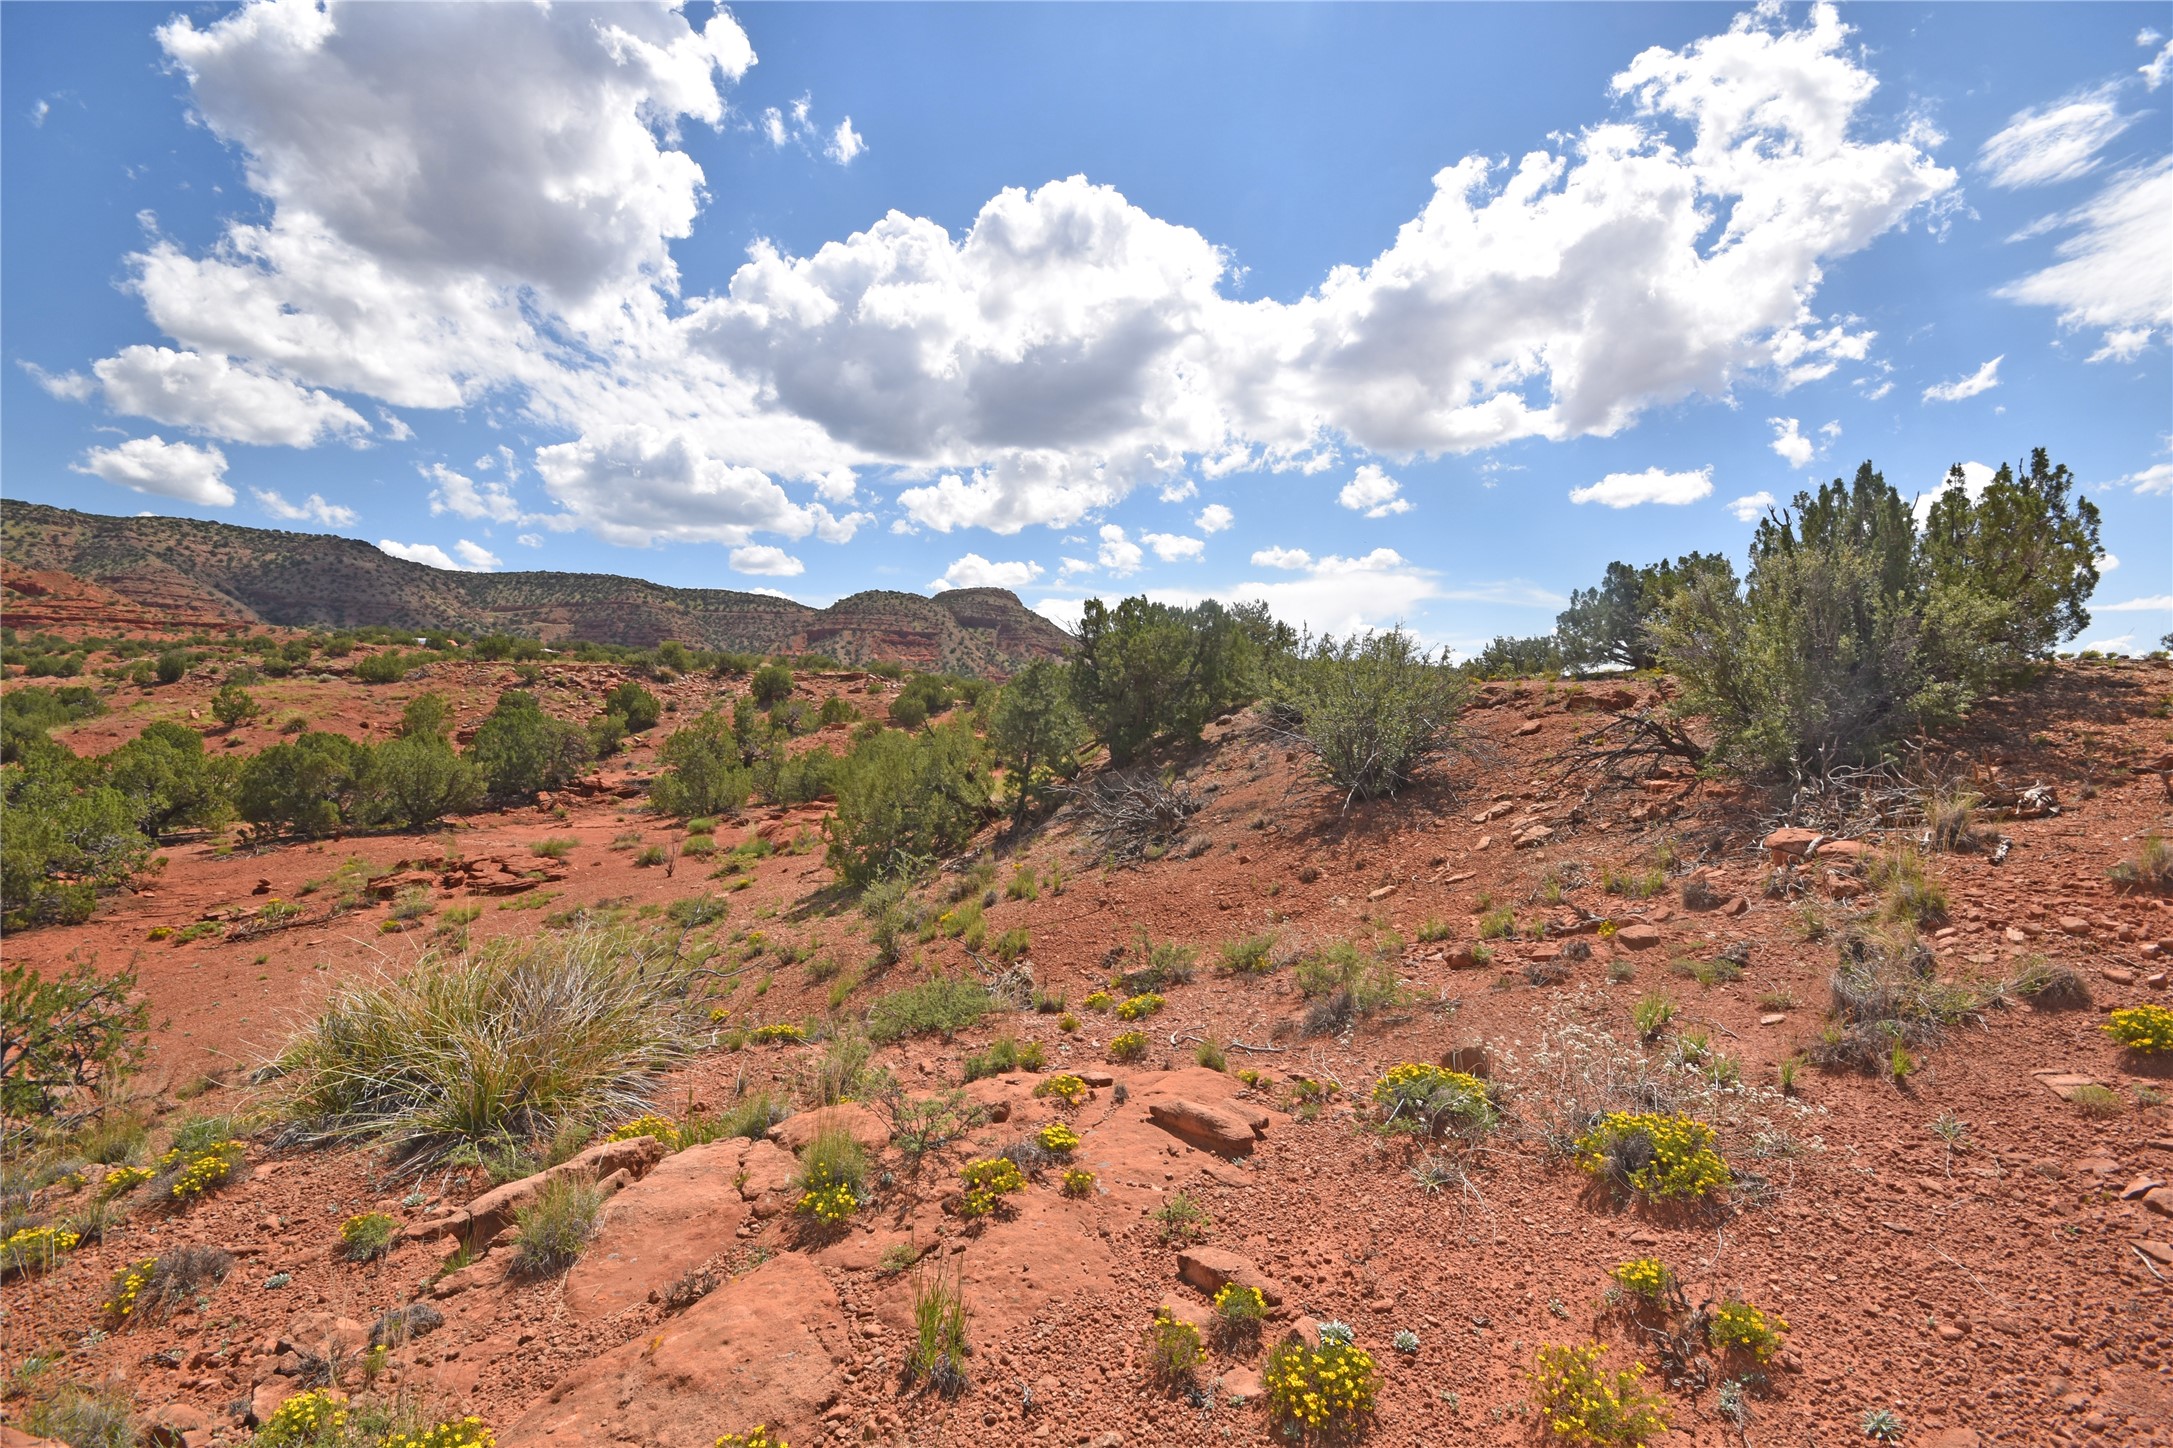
pixel 2160 603
pixel 1654 485
pixel 1984 379
pixel 1282 558
pixel 845 143
pixel 169 469
pixel 1214 518
pixel 2157 478
pixel 312 509
pixel 1751 506
pixel 1789 441
pixel 1174 547
pixel 766 560
pixel 214 396
pixel 1374 493
pixel 459 494
pixel 474 558
pixel 974 571
pixel 1976 477
pixel 1118 554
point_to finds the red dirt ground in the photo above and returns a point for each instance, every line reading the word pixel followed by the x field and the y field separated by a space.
pixel 1990 1291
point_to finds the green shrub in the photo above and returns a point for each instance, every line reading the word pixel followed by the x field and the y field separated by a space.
pixel 1253 955
pixel 702 773
pixel 233 705
pixel 172 664
pixel 303 788
pixel 772 684
pixel 904 801
pixel 520 749
pixel 388 667
pixel 636 705
pixel 941 1006
pixel 168 780
pixel 62 842
pixel 417 780
pixel 1145 669
pixel 428 715
pixel 1034 730
pixel 1374 708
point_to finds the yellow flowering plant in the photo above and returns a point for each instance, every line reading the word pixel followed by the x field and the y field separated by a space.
pixel 1581 1402
pixel 759 1438
pixel 304 1420
pixel 1432 1099
pixel 1655 1155
pixel 832 1205
pixel 648 1124
pixel 1174 1348
pixel 987 1183
pixel 122 1180
pixel 464 1433
pixel 1078 1182
pixel 1127 1046
pixel 1644 1279
pixel 1139 1007
pixel 1058 1137
pixel 782 1031
pixel 1064 1087
pixel 2145 1030
pixel 1100 1000
pixel 1736 1328
pixel 1326 1392
pixel 204 1172
pixel 127 1291
pixel 35 1249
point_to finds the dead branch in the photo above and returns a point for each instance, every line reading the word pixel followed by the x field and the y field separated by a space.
pixel 1631 744
pixel 1133 814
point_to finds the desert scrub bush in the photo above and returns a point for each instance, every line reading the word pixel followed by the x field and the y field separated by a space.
pixel 1058 1138
pixel 1326 1392
pixel 1139 1007
pixel 1581 1402
pixel 1127 1046
pixel 1183 1219
pixel 1906 889
pixel 368 1236
pixel 2099 1103
pixel 1251 955
pixel 937 1358
pixel 1886 993
pixel 649 856
pixel 1078 1182
pixel 1433 1100
pixel 2152 867
pixel 1657 1156
pixel 1737 1329
pixel 514 1041
pixel 1161 964
pixel 941 1006
pixel 30 1250
pixel 833 1177
pixel 1497 925
pixel 82 1417
pixel 1173 1348
pixel 558 847
pixel 2044 984
pixel 1239 1311
pixel 64 1039
pixel 2146 1030
pixel 1065 1087
pixel 1344 983
pixel 1013 944
pixel 150 1289
pixel 905 801
pixel 987 1182
pixel 1374 708
pixel 555 1227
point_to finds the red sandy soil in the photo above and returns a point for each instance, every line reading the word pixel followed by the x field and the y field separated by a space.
pixel 2008 1289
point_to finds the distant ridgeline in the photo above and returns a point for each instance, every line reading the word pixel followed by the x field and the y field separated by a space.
pixel 314 580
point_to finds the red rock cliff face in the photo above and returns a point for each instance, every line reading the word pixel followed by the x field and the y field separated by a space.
pixel 49 601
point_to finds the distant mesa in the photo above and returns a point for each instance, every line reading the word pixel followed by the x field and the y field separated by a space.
pixel 83 572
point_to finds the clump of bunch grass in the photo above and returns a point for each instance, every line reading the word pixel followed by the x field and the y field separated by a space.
pixel 1005 1054
pixel 1174 1348
pixel 1326 1392
pixel 2098 1103
pixel 512 1042
pixel 150 1289
pixel 1581 1402
pixel 1907 890
pixel 555 1227
pixel 1183 1219
pixel 2152 867
pixel 1886 993
pixel 937 1359
pixel 1251 955
pixel 368 1236
pixel 1659 1156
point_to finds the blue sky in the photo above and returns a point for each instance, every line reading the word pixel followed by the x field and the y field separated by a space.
pixel 1383 314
